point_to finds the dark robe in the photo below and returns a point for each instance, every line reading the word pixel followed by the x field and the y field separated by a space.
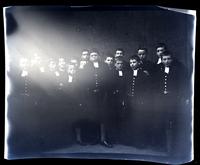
pixel 171 91
pixel 138 110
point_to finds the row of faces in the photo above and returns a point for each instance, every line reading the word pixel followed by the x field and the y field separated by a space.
pixel 133 62
pixel 142 53
pixel 166 60
pixel 86 56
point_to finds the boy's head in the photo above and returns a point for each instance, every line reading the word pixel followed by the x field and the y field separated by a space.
pixel 85 55
pixel 166 58
pixel 119 64
pixel 142 53
pixel 134 61
pixel 160 48
pixel 94 56
pixel 109 60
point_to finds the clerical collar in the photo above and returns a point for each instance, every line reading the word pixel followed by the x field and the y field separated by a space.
pixel 120 73
pixel 42 69
pixel 82 64
pixel 24 73
pixel 96 64
pixel 159 61
pixel 57 73
pixel 70 78
pixel 167 70
pixel 135 72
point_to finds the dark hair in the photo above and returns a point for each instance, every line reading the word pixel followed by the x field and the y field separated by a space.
pixel 119 58
pixel 161 45
pixel 85 50
pixel 109 55
pixel 142 48
pixel 94 50
pixel 166 53
pixel 120 49
pixel 134 57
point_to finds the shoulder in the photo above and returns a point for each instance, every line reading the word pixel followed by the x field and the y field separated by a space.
pixel 151 64
pixel 160 67
pixel 143 72
pixel 103 65
pixel 178 64
pixel 89 64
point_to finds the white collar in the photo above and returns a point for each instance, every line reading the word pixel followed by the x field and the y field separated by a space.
pixel 82 64
pixel 135 72
pixel 24 73
pixel 96 64
pixel 167 70
pixel 159 61
pixel 70 78
pixel 120 73
pixel 57 73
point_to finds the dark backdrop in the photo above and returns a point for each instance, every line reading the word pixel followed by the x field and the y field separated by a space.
pixel 64 31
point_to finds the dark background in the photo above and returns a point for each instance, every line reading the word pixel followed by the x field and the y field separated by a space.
pixel 188 4
pixel 65 32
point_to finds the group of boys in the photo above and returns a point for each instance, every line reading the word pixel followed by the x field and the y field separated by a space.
pixel 137 103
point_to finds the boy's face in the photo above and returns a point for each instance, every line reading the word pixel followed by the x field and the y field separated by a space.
pixel 159 51
pixel 85 55
pixel 109 60
pixel 119 53
pixel 71 69
pixel 119 65
pixel 61 63
pixel 94 57
pixel 36 60
pixel 134 63
pixel 74 62
pixel 23 63
pixel 52 64
pixel 141 54
pixel 167 60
